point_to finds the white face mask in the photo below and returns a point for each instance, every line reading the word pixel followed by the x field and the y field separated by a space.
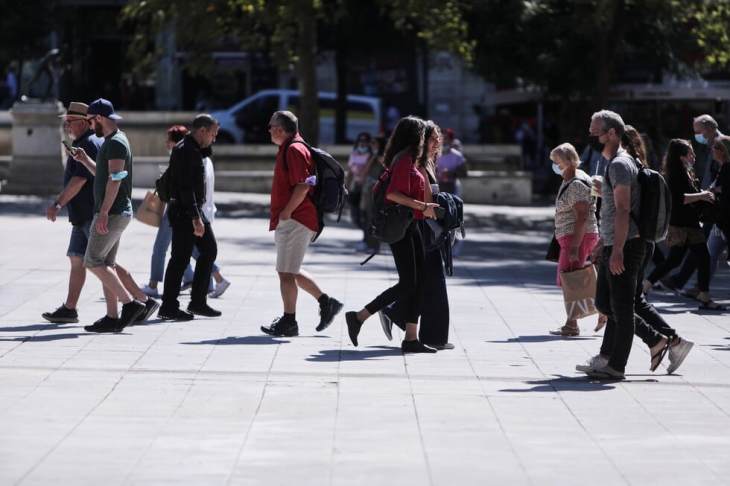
pixel 557 169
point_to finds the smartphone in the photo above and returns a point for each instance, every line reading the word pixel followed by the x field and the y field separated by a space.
pixel 68 146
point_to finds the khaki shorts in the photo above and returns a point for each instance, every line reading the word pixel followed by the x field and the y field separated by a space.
pixel 102 249
pixel 292 239
pixel 682 236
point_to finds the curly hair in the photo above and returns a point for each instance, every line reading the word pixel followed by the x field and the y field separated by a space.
pixel 426 159
pixel 408 136
pixel 634 144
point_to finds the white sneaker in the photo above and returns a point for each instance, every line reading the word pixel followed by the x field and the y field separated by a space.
pixel 220 289
pixel 150 292
pixel 677 353
pixel 594 363
pixel 606 373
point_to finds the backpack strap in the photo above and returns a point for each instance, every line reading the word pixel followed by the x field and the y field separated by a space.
pixel 289 144
pixel 607 178
pixel 565 187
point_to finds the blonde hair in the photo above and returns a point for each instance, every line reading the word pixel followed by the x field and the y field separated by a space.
pixel 567 152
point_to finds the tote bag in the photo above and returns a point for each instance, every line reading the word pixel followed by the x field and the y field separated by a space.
pixel 579 292
pixel 151 209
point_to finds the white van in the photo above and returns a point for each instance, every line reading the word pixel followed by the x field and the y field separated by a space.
pixel 247 121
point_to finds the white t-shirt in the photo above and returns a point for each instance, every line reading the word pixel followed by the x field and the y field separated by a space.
pixel 209 208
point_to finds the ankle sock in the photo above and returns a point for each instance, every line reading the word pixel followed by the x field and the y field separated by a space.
pixel 323 299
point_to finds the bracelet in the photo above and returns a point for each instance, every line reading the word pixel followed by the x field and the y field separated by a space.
pixel 425 206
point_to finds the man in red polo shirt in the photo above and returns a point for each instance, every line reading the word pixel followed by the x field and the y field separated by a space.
pixel 295 221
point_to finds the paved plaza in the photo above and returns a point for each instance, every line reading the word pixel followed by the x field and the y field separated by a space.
pixel 214 401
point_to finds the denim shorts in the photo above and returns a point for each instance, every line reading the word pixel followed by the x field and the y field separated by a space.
pixel 79 240
pixel 102 249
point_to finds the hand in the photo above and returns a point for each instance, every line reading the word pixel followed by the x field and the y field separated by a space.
pixel 616 261
pixel 573 254
pixel 102 223
pixel 708 196
pixel 198 227
pixel 78 154
pixel 51 212
pixel 284 215
pixel 597 185
pixel 429 212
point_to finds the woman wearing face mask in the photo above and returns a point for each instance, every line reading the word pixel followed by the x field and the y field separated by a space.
pixel 720 236
pixel 358 161
pixel 576 228
pixel 685 233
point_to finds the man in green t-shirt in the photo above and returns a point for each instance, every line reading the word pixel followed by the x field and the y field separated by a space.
pixel 112 214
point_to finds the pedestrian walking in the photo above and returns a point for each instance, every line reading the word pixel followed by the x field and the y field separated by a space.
pixel 405 186
pixel 295 222
pixel 356 175
pixel 451 165
pixel 373 170
pixel 189 222
pixel 78 197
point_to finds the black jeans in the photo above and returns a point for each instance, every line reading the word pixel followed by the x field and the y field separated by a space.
pixel 408 254
pixel 650 327
pixel 183 241
pixel 615 298
pixel 701 257
pixel 689 265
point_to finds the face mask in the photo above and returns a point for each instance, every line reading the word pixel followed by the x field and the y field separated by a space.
pixel 361 149
pixel 700 138
pixel 595 144
pixel 557 169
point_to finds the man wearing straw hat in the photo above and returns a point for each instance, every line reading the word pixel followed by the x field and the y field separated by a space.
pixel 78 197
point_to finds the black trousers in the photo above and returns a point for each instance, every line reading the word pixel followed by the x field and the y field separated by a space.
pixel 615 296
pixel 690 263
pixel 183 241
pixel 701 257
pixel 649 325
pixel 409 257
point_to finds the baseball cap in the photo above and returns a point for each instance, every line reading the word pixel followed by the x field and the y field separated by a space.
pixel 104 108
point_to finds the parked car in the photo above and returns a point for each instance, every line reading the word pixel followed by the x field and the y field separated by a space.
pixel 247 120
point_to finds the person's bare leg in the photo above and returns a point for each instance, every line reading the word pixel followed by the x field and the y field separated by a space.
pixel 112 309
pixel 306 283
pixel 129 284
pixel 217 277
pixel 363 314
pixel 76 280
pixel 411 331
pixel 288 287
pixel 110 280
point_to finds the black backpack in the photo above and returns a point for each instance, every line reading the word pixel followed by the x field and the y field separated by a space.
pixel 655 204
pixel 330 193
pixel 389 221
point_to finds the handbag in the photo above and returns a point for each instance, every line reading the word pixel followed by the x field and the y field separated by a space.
pixel 151 210
pixel 553 252
pixel 579 292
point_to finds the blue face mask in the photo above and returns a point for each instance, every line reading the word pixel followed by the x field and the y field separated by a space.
pixel 557 169
pixel 701 139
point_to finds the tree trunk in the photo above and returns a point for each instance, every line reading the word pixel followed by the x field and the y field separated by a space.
pixel 611 36
pixel 307 72
pixel 341 54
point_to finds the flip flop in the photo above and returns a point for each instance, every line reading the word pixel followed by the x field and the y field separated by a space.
pixel 659 356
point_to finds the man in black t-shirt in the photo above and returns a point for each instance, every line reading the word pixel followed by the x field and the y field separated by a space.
pixel 78 197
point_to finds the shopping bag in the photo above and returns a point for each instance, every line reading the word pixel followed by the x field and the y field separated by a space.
pixel 579 292
pixel 151 209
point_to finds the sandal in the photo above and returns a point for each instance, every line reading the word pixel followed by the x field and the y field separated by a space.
pixel 602 320
pixel 567 331
pixel 659 356
pixel 711 305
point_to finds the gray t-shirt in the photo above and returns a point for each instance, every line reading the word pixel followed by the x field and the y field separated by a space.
pixel 621 171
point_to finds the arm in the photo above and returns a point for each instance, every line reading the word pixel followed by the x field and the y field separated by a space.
pixel 694 197
pixel 80 155
pixel 297 198
pixel 400 198
pixel 110 194
pixel 622 199
pixel 68 193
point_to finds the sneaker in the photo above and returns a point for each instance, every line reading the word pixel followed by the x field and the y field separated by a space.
pixel 388 311
pixel 204 310
pixel 151 292
pixel 677 352
pixel 279 328
pixel 105 324
pixel 353 326
pixel 598 361
pixel 386 324
pixel 175 315
pixel 440 347
pixel 150 307
pixel 130 313
pixel 606 373
pixel 566 331
pixel 219 289
pixel 327 313
pixel 62 315
pixel 415 346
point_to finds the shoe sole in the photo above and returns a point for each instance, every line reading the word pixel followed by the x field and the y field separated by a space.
pixel 680 359
pixel 196 313
pixel 604 376
pixel 387 327
pixel 325 325
pixel 61 320
pixel 269 332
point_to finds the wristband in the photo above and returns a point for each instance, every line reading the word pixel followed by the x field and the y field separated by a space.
pixel 118 176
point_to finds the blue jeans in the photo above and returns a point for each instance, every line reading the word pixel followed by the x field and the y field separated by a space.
pixel 159 250
pixel 715 244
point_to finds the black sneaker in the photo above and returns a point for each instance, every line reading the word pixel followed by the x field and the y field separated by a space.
pixel 175 315
pixel 415 346
pixel 353 326
pixel 327 313
pixel 204 310
pixel 386 323
pixel 130 313
pixel 149 308
pixel 105 324
pixel 388 311
pixel 62 315
pixel 281 328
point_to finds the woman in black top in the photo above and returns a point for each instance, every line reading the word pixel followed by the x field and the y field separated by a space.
pixel 684 224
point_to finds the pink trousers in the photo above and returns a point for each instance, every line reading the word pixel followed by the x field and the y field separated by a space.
pixel 584 251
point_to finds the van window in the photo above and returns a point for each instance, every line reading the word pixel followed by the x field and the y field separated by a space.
pixel 360 110
pixel 356 110
pixel 254 118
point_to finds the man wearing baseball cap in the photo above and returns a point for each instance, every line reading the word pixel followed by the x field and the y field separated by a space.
pixel 78 197
pixel 112 214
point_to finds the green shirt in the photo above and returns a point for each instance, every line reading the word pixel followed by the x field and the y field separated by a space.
pixel 115 146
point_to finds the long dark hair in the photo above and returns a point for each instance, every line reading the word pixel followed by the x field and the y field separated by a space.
pixel 673 167
pixel 634 145
pixel 424 160
pixel 407 136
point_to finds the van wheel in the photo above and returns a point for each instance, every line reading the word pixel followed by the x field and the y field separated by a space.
pixel 224 138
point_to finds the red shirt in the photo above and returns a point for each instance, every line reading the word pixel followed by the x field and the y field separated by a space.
pixel 406 179
pixel 298 167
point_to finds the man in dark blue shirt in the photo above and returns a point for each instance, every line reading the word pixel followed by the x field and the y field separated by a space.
pixel 78 197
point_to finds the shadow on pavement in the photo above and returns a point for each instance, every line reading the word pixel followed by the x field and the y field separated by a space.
pixel 243 340
pixel 48 337
pixel 37 327
pixel 562 383
pixel 371 353
pixel 543 338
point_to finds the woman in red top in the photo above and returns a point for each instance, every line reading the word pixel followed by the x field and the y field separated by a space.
pixel 407 187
